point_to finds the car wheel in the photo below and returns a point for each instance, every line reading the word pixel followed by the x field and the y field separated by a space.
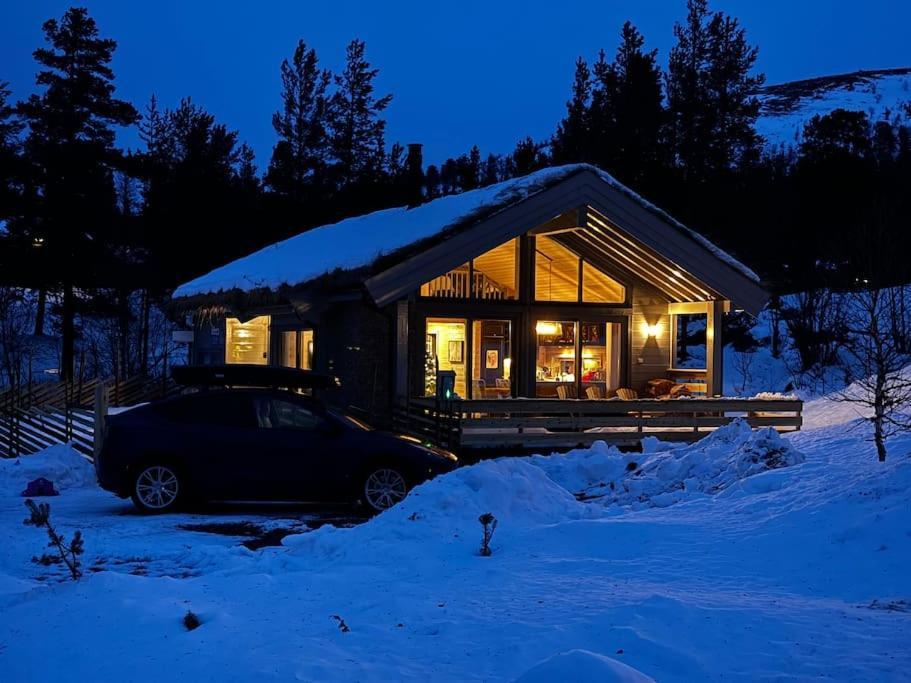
pixel 383 488
pixel 157 488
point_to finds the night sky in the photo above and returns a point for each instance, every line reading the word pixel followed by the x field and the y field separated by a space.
pixel 462 72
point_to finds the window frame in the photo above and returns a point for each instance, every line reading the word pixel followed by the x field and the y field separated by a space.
pixel 472 294
pixel 580 281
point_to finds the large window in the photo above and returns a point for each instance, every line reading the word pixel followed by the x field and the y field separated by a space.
pixel 559 270
pixel 445 350
pixel 577 359
pixel 493 275
pixel 688 341
pixel 247 342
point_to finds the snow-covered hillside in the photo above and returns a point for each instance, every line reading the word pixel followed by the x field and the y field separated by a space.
pixel 787 107
pixel 746 556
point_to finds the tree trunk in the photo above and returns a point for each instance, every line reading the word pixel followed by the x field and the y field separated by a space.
pixel 879 411
pixel 144 334
pixel 123 336
pixel 39 312
pixel 68 336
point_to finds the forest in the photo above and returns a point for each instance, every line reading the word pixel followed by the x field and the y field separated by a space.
pixel 94 236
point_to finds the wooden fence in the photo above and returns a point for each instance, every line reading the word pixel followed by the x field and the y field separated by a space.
pixel 35 416
pixel 553 423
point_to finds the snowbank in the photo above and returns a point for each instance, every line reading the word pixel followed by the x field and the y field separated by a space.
pixel 658 478
pixel 582 666
pixel 61 464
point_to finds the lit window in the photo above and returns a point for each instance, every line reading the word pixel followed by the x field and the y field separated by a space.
pixel 297 349
pixel 247 342
pixel 556 271
pixel 492 275
pixel 445 350
pixel 598 288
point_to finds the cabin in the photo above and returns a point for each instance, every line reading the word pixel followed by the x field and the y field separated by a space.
pixel 548 310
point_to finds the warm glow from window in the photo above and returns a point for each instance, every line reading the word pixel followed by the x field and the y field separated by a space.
pixel 556 271
pixel 600 288
pixel 492 275
pixel 445 349
pixel 247 342
pixel 297 349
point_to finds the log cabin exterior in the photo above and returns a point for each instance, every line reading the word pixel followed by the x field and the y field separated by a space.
pixel 563 285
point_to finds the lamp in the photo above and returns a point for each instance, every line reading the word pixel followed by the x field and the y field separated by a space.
pixel 547 328
pixel 650 331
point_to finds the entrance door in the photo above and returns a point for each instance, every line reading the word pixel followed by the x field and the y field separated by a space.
pixel 491 359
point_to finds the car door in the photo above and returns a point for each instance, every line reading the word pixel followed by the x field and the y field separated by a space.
pixel 218 433
pixel 299 450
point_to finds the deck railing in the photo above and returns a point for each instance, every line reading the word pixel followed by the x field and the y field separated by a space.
pixel 554 423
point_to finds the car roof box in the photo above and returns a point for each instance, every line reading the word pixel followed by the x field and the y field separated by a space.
pixel 251 376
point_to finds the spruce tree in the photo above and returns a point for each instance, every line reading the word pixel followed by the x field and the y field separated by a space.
pixel 356 128
pixel 572 142
pixel 298 165
pixel 10 158
pixel 71 147
pixel 638 112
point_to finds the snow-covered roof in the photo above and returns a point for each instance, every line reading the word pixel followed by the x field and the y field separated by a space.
pixel 357 242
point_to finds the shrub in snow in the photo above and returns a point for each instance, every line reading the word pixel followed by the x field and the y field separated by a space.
pixel 489 522
pixel 191 621
pixel 69 552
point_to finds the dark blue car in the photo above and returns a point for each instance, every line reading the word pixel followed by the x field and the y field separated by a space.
pixel 257 444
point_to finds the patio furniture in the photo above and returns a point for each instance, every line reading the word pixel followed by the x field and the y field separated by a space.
pixel 627 394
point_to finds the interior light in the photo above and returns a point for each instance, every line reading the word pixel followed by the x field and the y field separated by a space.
pixel 546 328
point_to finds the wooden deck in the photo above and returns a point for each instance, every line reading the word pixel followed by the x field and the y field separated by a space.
pixel 553 423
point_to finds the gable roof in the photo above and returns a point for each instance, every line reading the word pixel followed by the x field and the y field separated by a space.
pixel 365 241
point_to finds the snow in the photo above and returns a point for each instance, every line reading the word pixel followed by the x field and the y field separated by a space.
pixel 747 556
pixel 877 95
pixel 357 242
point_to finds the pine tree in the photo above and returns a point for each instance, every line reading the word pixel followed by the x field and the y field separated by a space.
pixel 491 173
pixel 572 142
pixel 71 146
pixel 687 93
pixel 638 112
pixel 11 163
pixel 710 92
pixel 298 165
pixel 732 91
pixel 356 129
pixel 527 157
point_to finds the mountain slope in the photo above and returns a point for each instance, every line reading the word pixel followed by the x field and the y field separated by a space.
pixel 787 107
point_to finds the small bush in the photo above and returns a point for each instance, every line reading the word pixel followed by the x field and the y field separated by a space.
pixel 69 552
pixel 489 522
pixel 191 621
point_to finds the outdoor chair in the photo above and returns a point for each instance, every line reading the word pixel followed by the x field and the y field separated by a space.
pixel 593 393
pixel 627 394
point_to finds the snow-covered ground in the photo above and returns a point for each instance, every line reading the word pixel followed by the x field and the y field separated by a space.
pixel 746 556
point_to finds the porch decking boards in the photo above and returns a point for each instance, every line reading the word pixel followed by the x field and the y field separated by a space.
pixel 555 423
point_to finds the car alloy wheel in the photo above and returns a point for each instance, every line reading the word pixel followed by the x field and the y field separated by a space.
pixel 157 487
pixel 384 488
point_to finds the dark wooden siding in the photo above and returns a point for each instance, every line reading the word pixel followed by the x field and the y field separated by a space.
pixel 649 307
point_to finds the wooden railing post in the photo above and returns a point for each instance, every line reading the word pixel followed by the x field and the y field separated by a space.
pixel 101 412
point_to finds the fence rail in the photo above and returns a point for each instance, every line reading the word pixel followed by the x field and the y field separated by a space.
pixel 555 423
pixel 35 416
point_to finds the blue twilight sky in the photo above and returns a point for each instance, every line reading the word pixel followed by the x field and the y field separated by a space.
pixel 462 72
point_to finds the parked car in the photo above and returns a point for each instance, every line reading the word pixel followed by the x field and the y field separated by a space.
pixel 259 443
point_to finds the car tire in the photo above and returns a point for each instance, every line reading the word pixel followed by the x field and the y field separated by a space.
pixel 382 487
pixel 157 487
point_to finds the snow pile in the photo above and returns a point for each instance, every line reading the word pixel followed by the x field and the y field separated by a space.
pixel 61 464
pixel 444 512
pixel 583 666
pixel 726 457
